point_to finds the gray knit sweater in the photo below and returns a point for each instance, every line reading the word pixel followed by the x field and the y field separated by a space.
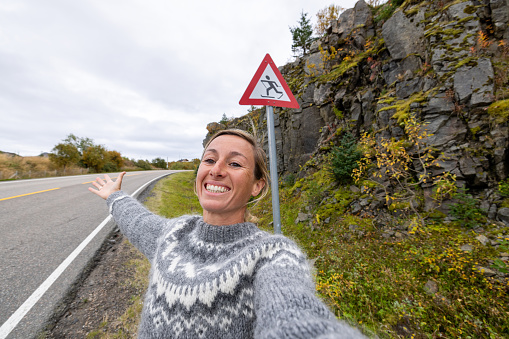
pixel 232 281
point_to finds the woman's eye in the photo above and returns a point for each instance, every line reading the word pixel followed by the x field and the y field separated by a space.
pixel 209 161
pixel 235 164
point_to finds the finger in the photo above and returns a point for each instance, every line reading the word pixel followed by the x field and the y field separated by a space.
pixel 93 190
pixel 98 193
pixel 100 181
pixel 118 182
pixel 107 178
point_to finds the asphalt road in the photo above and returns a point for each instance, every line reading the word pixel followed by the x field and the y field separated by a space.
pixel 42 221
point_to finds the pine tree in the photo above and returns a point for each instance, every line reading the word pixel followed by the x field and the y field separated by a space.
pixel 302 36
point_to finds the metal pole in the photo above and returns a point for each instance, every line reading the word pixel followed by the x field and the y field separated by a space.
pixel 273 170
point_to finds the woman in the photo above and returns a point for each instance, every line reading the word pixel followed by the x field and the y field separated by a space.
pixel 218 276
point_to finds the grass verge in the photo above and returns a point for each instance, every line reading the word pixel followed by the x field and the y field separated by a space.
pixel 431 284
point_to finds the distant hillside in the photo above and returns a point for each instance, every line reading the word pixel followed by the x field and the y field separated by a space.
pixel 9 153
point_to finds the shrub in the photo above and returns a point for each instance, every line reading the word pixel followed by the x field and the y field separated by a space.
pixel 289 180
pixel 390 164
pixel 160 163
pixel 95 157
pixel 116 159
pixel 143 164
pixel 385 11
pixel 325 16
pixel 503 188
pixel 110 167
pixel 64 155
pixel 183 165
pixel 345 159
pixel 466 210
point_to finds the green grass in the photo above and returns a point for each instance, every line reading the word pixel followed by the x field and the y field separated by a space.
pixel 174 196
pixel 378 284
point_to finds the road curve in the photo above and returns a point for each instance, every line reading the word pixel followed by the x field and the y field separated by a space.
pixel 42 221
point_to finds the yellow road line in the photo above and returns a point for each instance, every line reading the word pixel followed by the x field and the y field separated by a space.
pixel 22 195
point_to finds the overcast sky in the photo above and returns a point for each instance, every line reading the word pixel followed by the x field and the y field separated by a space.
pixel 142 77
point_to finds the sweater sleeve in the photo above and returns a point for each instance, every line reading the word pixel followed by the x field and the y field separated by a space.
pixel 138 224
pixel 286 305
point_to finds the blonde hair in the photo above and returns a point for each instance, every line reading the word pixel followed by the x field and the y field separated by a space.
pixel 261 171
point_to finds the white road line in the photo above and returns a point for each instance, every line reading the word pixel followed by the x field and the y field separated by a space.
pixel 16 317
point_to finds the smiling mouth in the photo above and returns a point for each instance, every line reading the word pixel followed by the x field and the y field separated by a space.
pixel 216 189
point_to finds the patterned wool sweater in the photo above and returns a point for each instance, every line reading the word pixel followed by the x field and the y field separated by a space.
pixel 232 281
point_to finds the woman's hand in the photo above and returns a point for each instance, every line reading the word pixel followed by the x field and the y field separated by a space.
pixel 107 186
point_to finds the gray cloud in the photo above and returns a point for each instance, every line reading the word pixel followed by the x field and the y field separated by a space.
pixel 140 77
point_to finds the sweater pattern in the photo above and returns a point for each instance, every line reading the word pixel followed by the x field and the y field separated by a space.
pixel 199 285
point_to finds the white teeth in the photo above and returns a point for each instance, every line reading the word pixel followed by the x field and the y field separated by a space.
pixel 216 189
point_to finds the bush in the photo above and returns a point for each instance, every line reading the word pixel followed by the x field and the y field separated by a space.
pixel 385 11
pixel 345 159
pixel 182 165
pixel 325 17
pixel 503 188
pixel 466 210
pixel 160 163
pixel 143 164
pixel 95 157
pixel 289 180
pixel 110 167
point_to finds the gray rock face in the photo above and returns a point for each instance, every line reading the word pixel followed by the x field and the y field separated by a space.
pixel 322 94
pixel 403 36
pixel 297 134
pixel 487 272
pixel 467 167
pixel 444 129
pixel 421 54
pixel 302 217
pixel 503 215
pixel 314 64
pixel 404 89
pixel 358 18
pixel 475 84
pixel 439 103
pixel 500 18
pixel 455 34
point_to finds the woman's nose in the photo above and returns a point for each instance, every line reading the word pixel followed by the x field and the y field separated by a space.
pixel 218 170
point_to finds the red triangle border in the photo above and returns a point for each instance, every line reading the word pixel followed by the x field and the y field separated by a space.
pixel 245 100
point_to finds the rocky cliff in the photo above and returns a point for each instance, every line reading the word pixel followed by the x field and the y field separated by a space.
pixel 444 62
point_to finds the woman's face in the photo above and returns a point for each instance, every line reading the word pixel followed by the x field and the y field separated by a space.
pixel 225 181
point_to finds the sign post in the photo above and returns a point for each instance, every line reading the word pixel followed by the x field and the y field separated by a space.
pixel 268 88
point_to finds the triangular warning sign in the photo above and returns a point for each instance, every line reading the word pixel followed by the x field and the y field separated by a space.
pixel 268 88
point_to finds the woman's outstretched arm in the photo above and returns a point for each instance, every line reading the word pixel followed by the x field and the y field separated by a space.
pixel 138 224
pixel 286 305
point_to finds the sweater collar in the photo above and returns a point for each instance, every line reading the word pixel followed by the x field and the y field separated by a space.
pixel 225 234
